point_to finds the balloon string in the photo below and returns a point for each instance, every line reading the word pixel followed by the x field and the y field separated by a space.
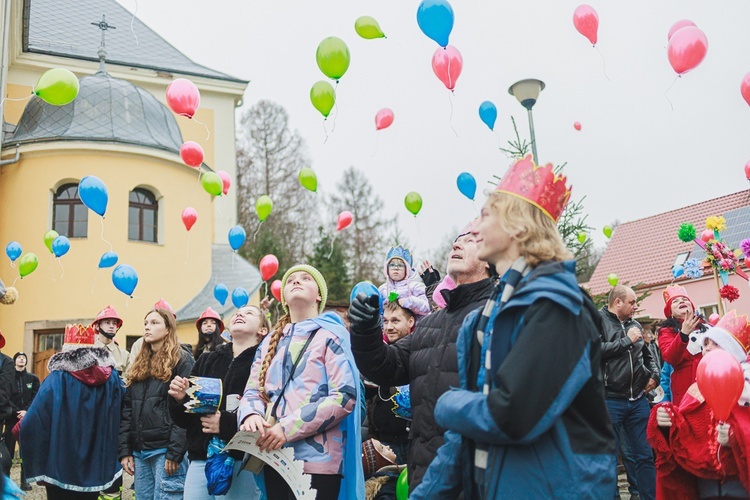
pixel 62 275
pixel 604 63
pixel 14 281
pixel 102 236
pixel 187 251
pixel 332 242
pixel 12 264
pixel 255 234
pixel 208 132
pixel 335 116
pixel 132 20
pixel 15 99
pixel 666 91
pixel 51 271
pixel 234 254
pixel 450 118
pixel 325 131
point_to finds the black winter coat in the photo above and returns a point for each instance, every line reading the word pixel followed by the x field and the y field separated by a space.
pixel 24 389
pixel 145 423
pixel 426 360
pixel 6 386
pixel 233 373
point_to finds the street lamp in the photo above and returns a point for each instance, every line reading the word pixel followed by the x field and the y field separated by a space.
pixel 527 92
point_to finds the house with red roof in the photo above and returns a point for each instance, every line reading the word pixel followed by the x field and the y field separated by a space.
pixel 642 254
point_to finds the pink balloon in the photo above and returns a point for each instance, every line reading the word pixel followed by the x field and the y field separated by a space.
pixel 713 319
pixel 225 180
pixel 707 235
pixel 586 21
pixel 745 88
pixel 345 218
pixel 686 49
pixel 189 216
pixel 720 381
pixel 183 97
pixel 383 119
pixel 447 63
pixel 191 154
pixel 577 125
pixel 682 23
pixel 269 265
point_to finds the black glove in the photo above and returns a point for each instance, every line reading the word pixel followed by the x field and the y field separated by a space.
pixel 364 315
pixel 430 276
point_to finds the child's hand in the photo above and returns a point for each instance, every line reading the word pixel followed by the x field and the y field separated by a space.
pixel 663 419
pixel 722 434
pixel 428 274
pixel 265 304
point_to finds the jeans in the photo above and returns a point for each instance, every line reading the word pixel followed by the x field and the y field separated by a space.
pixel 152 482
pixel 633 417
pixel 626 454
pixel 243 486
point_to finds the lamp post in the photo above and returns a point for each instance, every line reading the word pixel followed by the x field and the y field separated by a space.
pixel 527 92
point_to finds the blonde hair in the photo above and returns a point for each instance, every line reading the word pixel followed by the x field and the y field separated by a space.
pixel 536 233
pixel 158 365
pixel 278 330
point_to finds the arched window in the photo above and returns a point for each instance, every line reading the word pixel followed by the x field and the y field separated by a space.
pixel 70 215
pixel 142 216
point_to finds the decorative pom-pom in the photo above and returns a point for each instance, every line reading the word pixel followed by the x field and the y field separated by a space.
pixel 715 223
pixel 686 232
pixel 693 269
pixel 729 292
pixel 9 297
pixel 745 246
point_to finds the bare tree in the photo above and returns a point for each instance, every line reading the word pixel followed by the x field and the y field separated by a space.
pixel 269 158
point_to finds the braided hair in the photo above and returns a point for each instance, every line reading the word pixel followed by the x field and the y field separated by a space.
pixel 272 344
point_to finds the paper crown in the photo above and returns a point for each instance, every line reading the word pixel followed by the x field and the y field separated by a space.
pixel 538 185
pixel 399 252
pixel 736 326
pixel 79 335
pixel 670 293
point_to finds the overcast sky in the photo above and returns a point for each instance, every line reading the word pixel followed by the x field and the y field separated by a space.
pixel 634 157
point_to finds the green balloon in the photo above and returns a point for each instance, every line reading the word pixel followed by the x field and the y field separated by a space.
pixel 368 28
pixel 333 57
pixel 49 237
pixel 57 86
pixel 323 97
pixel 27 264
pixel 612 279
pixel 402 486
pixel 308 179
pixel 582 237
pixel 212 183
pixel 607 230
pixel 263 207
pixel 413 202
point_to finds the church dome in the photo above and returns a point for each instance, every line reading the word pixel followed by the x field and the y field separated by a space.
pixel 106 110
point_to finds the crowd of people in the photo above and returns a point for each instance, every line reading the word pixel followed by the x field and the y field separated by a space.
pixel 500 379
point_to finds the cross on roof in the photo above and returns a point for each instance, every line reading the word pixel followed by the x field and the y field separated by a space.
pixel 104 26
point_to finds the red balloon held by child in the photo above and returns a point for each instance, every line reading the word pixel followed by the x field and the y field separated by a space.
pixel 720 381
pixel 276 289
pixel 268 266
pixel 345 218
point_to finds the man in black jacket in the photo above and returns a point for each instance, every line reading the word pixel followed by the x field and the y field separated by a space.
pixel 427 358
pixel 629 373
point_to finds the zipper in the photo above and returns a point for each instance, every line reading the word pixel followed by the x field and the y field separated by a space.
pixel 630 354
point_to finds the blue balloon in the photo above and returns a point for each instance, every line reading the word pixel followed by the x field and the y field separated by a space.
pixel 13 250
pixel 60 246
pixel 435 19
pixel 125 279
pixel 237 237
pixel 488 114
pixel 108 259
pixel 467 185
pixel 93 194
pixel 240 297
pixel 364 287
pixel 677 271
pixel 221 292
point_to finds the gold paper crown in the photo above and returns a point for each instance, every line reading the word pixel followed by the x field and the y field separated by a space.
pixel 538 185
pixel 79 335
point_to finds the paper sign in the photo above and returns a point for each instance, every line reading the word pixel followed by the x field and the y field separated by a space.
pixel 233 402
pixel 204 395
pixel 281 460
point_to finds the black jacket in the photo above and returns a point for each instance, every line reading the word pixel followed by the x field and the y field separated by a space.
pixel 145 423
pixel 426 360
pixel 24 388
pixel 233 373
pixel 627 367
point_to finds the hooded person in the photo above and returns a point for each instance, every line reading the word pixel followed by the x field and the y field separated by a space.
pixel 210 327
pixel 400 283
pixel 68 438
pixel 696 455
pixel 107 323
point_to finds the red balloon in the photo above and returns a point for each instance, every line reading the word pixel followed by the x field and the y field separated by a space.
pixel 189 216
pixel 577 125
pixel 191 154
pixel 183 97
pixel 720 381
pixel 686 49
pixel 447 63
pixel 745 88
pixel 707 235
pixel 713 319
pixel 225 180
pixel 276 289
pixel 268 266
pixel 345 218
pixel 586 21
pixel 682 23
pixel 383 119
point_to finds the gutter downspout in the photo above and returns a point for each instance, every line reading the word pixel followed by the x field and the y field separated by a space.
pixel 13 160
pixel 4 56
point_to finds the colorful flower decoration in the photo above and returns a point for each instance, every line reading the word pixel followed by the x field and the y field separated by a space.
pixel 729 292
pixel 693 269
pixel 745 246
pixel 716 223
pixel 720 257
pixel 686 232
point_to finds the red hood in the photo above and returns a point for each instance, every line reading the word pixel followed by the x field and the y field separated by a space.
pixel 93 375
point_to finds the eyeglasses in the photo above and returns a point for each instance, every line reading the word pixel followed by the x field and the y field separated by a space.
pixel 396 265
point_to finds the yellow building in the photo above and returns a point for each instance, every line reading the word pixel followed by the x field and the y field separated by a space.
pixel 120 130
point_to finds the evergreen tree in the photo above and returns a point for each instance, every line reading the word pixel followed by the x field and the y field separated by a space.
pixel 329 257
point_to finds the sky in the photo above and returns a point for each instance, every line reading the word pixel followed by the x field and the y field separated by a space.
pixel 649 142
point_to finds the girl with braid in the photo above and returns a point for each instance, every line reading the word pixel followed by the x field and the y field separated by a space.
pixel 302 392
